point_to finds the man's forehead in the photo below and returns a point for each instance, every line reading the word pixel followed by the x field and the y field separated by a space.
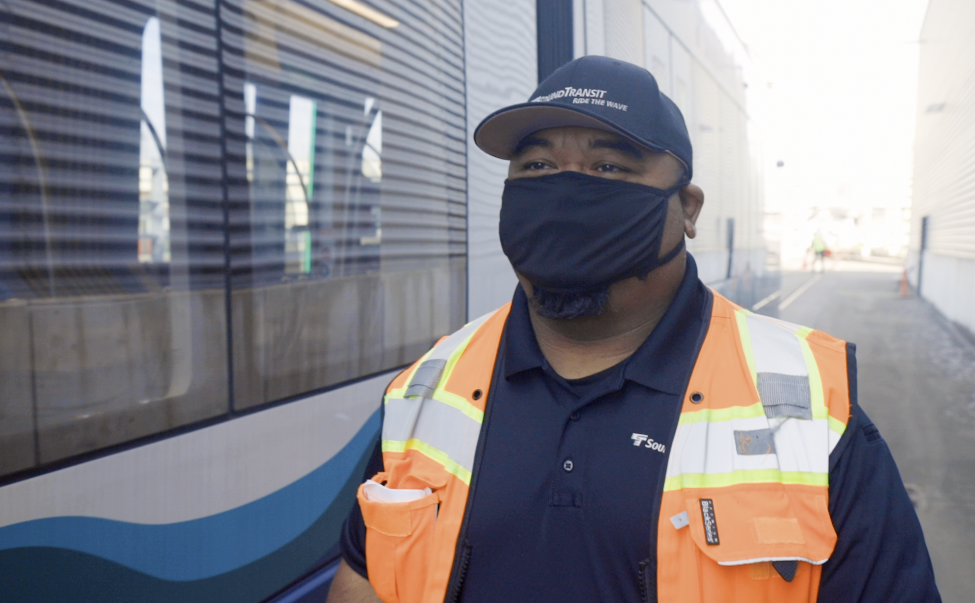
pixel 590 138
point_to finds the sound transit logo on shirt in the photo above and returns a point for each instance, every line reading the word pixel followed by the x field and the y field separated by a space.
pixel 581 96
pixel 640 438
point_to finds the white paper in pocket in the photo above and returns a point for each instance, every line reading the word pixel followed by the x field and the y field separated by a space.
pixel 377 492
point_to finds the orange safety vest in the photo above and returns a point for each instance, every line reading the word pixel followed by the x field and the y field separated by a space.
pixel 747 476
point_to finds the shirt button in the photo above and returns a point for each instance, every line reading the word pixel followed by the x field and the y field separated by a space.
pixel 575 415
pixel 567 465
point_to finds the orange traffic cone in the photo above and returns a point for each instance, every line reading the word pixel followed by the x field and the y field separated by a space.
pixel 905 289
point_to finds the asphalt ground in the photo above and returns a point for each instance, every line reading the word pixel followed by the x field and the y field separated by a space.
pixel 917 383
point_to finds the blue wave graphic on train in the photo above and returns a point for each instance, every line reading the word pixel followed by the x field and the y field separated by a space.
pixel 208 546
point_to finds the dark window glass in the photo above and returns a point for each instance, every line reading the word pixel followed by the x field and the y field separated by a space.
pixel 336 130
pixel 112 305
pixel 346 160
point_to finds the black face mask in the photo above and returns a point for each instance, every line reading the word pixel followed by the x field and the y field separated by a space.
pixel 572 233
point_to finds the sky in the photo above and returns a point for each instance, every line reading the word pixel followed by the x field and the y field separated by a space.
pixel 841 94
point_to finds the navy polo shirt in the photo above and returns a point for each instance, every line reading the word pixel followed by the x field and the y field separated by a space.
pixel 561 506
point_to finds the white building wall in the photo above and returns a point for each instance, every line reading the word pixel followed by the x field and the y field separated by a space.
pixel 501 70
pixel 944 161
pixel 656 51
pixel 949 283
pixel 624 30
pixel 595 26
pixel 698 60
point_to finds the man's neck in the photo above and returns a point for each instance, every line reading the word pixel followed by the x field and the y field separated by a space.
pixel 580 347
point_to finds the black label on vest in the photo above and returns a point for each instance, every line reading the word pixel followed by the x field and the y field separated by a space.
pixel 710 524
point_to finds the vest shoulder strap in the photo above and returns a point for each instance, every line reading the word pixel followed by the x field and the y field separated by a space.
pixel 797 371
pixel 429 410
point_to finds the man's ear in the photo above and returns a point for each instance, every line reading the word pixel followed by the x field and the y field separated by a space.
pixel 691 202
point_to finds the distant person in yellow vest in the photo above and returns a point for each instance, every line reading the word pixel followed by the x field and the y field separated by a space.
pixel 819 252
pixel 619 432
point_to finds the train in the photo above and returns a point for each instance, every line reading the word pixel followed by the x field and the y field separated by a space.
pixel 225 225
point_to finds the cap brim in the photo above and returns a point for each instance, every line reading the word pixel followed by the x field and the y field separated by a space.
pixel 500 132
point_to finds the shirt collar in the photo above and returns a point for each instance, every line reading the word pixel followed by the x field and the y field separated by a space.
pixel 521 351
pixel 662 362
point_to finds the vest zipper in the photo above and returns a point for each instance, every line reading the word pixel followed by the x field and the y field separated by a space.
pixel 463 562
pixel 648 580
pixel 648 567
pixel 463 554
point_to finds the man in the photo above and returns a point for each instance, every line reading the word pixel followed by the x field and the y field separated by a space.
pixel 619 432
pixel 819 252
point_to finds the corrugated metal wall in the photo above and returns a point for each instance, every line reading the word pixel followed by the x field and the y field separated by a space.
pixel 502 70
pixel 944 161
pixel 944 146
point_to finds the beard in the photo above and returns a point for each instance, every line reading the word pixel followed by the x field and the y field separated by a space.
pixel 565 306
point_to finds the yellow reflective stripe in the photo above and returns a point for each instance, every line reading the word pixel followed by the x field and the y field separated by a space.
pixel 741 317
pixel 837 426
pixel 819 410
pixel 804 332
pixel 818 399
pixel 744 476
pixel 715 415
pixel 460 403
pixel 440 394
pixel 455 356
pixel 400 392
pixel 450 399
pixel 435 455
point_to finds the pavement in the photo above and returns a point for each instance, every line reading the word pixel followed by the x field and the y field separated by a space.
pixel 917 383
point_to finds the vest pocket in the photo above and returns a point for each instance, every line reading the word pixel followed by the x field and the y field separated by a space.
pixel 748 524
pixel 399 542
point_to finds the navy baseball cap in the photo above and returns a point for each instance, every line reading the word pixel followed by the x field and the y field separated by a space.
pixel 593 92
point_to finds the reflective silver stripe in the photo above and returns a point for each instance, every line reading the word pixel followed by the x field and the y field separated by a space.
pixel 776 349
pixel 782 375
pixel 426 378
pixel 399 417
pixel 445 349
pixel 440 429
pixel 428 375
pixel 785 395
pixel 436 424
pixel 764 559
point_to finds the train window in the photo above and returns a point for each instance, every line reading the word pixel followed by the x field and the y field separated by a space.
pixel 112 298
pixel 300 184
pixel 311 166
pixel 153 181
pixel 346 155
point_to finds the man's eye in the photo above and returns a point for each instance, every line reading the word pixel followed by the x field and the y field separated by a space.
pixel 535 165
pixel 609 169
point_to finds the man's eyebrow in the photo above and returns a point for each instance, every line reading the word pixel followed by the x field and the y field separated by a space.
pixel 618 145
pixel 529 142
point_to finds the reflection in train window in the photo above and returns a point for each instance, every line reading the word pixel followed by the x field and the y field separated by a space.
pixel 112 305
pixel 302 121
pixel 372 168
pixel 153 182
pixel 372 150
pixel 348 240
pixel 321 184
